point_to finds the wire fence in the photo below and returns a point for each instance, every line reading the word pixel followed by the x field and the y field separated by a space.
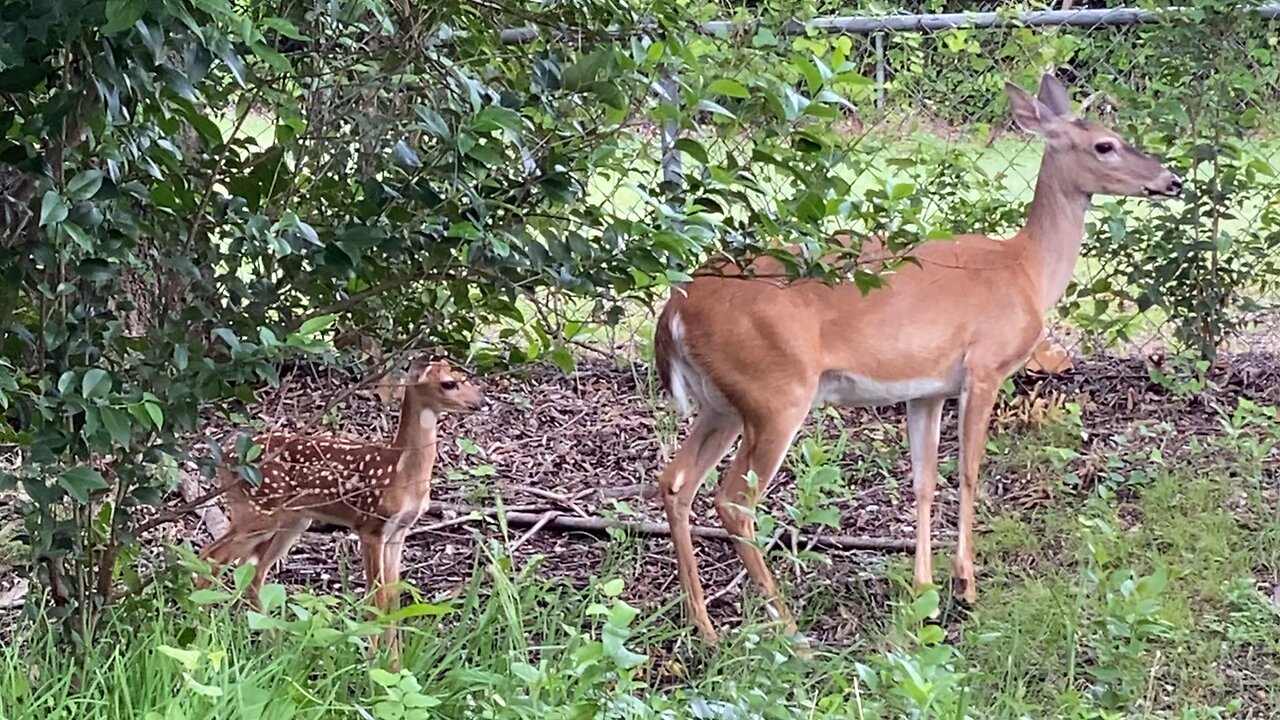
pixel 928 111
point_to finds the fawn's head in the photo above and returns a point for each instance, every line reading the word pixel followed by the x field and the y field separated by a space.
pixel 1091 158
pixel 441 388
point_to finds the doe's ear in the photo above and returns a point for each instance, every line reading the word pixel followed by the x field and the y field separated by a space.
pixel 1054 96
pixel 1029 113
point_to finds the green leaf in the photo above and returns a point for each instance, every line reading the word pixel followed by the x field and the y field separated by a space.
pixel 612 588
pixel 526 672
pixel 729 88
pixel 53 209
pixel 272 58
pixel 563 359
pixel 122 14
pixel 188 659
pixel 209 596
pixel 316 324
pixel 285 27
pixel 259 622
pixel 419 610
pixel 693 149
pixel 95 384
pixel 925 605
pixel 900 190
pixel 272 596
pixel 44 495
pixel 405 156
pixel 93 269
pixel 200 688
pixel 496 117
pixel 931 635
pixel 228 337
pixel 77 234
pixel 156 414
pixel 715 108
pixel 432 121
pixel 384 678
pixel 80 481
pixel 139 413
pixel 85 184
pixel 117 424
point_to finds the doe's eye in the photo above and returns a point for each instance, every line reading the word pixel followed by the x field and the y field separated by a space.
pixel 1104 147
pixel 449 385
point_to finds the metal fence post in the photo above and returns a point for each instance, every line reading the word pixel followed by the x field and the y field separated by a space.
pixel 672 172
pixel 879 43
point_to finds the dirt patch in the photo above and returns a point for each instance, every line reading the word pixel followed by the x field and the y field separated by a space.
pixel 588 445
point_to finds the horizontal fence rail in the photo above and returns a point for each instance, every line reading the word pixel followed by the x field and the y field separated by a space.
pixel 871 24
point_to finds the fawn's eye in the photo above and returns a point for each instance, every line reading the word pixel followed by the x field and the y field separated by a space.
pixel 1104 147
pixel 449 385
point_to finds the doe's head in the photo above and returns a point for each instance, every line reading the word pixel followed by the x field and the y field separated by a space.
pixel 1092 158
pixel 441 387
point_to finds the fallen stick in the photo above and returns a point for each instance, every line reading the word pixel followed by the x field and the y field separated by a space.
pixel 597 524
pixel 542 522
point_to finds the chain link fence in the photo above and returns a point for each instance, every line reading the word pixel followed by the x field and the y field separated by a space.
pixel 1197 86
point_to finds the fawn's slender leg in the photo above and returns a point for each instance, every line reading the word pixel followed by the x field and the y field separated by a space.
pixel 270 551
pixel 393 555
pixel 236 546
pixel 764 445
pixel 976 403
pixel 924 421
pixel 372 548
pixel 707 444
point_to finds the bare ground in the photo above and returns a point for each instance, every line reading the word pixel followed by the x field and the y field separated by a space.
pixel 590 445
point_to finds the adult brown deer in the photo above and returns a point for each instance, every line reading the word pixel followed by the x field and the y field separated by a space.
pixel 757 354
pixel 379 491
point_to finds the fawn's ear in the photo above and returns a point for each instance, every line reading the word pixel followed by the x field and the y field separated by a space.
pixel 391 387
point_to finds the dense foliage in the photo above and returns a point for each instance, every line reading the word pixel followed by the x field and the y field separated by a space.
pixel 192 192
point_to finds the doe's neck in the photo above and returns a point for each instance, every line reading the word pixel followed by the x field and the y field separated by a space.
pixel 1054 232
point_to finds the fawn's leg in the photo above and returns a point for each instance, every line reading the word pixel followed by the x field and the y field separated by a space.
pixel 371 547
pixel 233 548
pixel 393 555
pixel 270 552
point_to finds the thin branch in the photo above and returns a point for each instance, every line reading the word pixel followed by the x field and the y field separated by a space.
pixel 546 518
pixel 597 524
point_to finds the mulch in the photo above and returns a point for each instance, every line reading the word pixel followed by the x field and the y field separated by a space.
pixel 587 445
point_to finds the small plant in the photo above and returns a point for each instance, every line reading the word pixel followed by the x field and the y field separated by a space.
pixel 917 676
pixel 1250 433
pixel 401 696
pixel 819 481
pixel 1251 618
pixel 1121 616
pixel 1182 375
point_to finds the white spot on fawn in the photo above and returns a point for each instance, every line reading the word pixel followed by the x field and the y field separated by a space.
pixel 679 482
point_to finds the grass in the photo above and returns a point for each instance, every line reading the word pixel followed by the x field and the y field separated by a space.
pixel 1138 592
